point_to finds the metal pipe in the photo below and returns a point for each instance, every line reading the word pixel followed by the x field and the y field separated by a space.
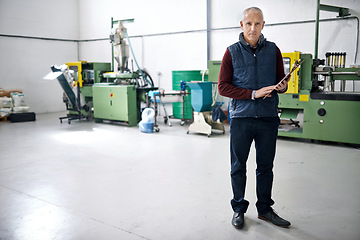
pixel 337 73
pixel 182 32
pixel 112 48
pixel 208 29
pixel 317 30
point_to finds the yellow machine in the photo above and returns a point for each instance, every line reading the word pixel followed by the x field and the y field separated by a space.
pixel 289 60
pixel 77 67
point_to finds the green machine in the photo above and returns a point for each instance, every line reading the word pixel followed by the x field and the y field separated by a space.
pixel 105 95
pixel 313 109
pixel 317 105
pixel 95 90
pixel 119 97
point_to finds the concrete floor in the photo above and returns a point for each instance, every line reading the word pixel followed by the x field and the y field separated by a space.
pixel 104 181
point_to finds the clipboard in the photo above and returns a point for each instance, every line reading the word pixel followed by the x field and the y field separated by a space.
pixel 295 66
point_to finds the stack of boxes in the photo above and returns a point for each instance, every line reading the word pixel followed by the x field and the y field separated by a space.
pixel 15 108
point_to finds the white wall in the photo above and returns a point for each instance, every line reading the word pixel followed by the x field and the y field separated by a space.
pixel 24 62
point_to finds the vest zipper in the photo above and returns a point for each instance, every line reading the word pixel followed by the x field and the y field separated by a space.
pixel 256 83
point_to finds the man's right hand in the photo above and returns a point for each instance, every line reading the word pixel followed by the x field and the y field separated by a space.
pixel 264 91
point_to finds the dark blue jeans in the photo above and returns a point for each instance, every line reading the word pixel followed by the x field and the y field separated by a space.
pixel 263 131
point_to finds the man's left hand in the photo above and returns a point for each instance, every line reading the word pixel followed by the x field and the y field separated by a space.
pixel 282 86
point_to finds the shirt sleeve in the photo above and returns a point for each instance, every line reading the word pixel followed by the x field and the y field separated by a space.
pixel 225 86
pixel 280 74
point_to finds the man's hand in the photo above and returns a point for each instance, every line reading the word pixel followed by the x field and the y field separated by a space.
pixel 264 91
pixel 282 86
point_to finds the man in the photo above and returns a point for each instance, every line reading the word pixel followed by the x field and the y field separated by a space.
pixel 249 71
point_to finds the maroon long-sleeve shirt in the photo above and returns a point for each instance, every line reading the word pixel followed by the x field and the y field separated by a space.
pixel 225 87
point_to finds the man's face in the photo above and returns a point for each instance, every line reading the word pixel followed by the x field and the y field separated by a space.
pixel 252 25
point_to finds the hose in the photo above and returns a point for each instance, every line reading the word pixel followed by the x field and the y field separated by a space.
pixel 132 52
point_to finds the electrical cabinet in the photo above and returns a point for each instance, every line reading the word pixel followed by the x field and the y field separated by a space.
pixel 115 102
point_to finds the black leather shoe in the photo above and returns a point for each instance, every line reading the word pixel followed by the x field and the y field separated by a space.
pixel 238 220
pixel 272 217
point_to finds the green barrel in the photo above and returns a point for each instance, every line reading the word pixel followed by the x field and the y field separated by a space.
pixel 186 76
pixel 178 109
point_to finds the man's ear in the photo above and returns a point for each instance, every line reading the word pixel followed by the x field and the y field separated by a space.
pixel 241 25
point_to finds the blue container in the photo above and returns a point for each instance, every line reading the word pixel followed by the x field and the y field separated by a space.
pixel 151 95
pixel 146 127
pixel 201 96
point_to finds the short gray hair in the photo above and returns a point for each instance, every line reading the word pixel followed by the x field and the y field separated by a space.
pixel 256 9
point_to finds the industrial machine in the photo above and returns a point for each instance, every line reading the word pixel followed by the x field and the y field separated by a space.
pixel 201 101
pixel 313 108
pixel 317 104
pixel 95 90
pixel 120 97
pixel 76 105
pixel 84 76
pixel 124 77
pixel 120 52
